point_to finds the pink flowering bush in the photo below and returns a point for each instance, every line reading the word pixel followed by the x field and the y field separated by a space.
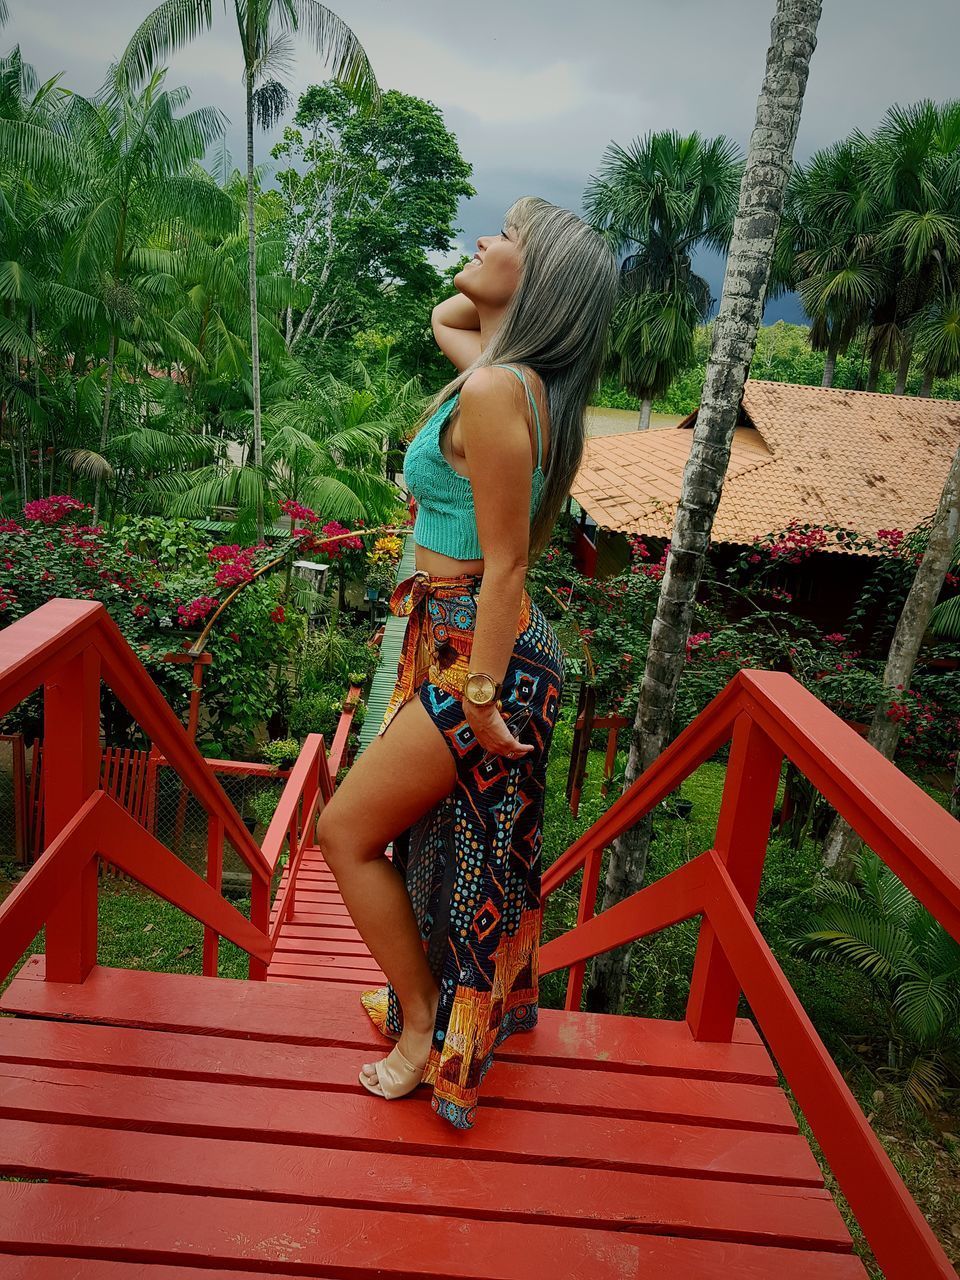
pixel 190 614
pixel 52 510
pixel 236 565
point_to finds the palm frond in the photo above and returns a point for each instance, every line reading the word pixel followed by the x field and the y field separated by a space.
pixel 87 462
pixel 169 27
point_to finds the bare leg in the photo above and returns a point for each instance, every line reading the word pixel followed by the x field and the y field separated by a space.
pixel 393 783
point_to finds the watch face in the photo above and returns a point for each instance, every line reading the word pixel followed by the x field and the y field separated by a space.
pixel 480 688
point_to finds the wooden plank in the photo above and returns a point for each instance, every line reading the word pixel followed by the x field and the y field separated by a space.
pixel 14 1267
pixel 351 1116
pixel 322 966
pixel 344 984
pixel 753 1213
pixel 228 1006
pixel 292 929
pixel 318 899
pixel 134 1052
pixel 319 946
pixel 299 1239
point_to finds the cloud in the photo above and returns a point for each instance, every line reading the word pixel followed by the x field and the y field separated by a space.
pixel 493 93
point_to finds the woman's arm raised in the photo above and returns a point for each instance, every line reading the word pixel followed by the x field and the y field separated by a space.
pixel 456 327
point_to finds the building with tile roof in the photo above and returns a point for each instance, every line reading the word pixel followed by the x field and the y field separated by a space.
pixel 854 459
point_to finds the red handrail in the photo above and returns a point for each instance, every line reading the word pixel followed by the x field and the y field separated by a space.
pixel 68 646
pixel 58 631
pixel 766 716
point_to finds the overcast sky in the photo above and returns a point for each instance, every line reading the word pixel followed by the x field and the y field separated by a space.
pixel 535 89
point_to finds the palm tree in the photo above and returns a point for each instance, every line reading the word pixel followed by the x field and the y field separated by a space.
pixel 762 191
pixel 914 163
pixel 911 962
pixel 139 157
pixel 830 230
pixel 323 446
pixel 659 199
pixel 266 28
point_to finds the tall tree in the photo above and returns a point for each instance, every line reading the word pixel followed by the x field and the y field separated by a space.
pixel 914 162
pixel 830 231
pixel 884 733
pixel 139 160
pixel 658 200
pixel 762 191
pixel 365 200
pixel 266 29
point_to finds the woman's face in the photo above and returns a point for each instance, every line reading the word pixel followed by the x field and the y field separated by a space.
pixel 491 277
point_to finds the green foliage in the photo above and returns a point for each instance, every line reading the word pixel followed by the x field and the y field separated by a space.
pixel 365 199
pixel 657 199
pixel 913 963
pixel 173 545
pixel 281 752
pixel 316 712
pixel 263 802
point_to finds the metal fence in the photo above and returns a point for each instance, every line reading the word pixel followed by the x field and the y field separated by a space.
pixel 149 789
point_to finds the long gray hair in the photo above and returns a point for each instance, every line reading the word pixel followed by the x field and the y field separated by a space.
pixel 556 322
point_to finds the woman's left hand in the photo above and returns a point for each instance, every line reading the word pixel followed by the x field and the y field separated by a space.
pixel 490 730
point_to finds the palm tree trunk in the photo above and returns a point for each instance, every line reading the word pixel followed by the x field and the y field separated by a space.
pixel 254 316
pixel 645 406
pixel 105 421
pixel 830 363
pixel 768 168
pixel 874 375
pixel 927 385
pixel 903 368
pixel 842 841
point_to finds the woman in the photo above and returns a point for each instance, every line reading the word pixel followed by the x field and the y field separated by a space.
pixel 454 920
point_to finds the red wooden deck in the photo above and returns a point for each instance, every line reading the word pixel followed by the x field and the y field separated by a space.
pixel 166 1127
pixel 184 1122
pixel 321 942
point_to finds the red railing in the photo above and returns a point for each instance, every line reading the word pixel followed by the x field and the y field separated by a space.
pixel 767 716
pixel 67 647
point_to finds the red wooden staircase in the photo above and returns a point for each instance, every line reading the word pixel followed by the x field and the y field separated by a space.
pixel 165 1126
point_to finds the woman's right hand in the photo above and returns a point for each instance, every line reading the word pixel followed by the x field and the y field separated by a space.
pixel 456 327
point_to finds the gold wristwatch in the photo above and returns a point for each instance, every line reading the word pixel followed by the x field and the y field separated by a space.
pixel 481 689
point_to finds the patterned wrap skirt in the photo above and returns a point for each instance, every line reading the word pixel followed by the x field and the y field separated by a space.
pixel 472 863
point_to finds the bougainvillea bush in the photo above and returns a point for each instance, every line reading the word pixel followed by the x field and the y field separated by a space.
pixel 52 550
pixel 745 620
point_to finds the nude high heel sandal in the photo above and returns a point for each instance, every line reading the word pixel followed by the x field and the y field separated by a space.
pixel 396 1074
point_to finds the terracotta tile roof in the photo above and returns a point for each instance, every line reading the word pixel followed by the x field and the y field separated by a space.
pixel 856 459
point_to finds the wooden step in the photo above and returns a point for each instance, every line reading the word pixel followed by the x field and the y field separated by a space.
pixel 683 1100
pixel 758 1213
pixel 281 1011
pixel 184 1123
pixel 322 1240
pixel 345 1114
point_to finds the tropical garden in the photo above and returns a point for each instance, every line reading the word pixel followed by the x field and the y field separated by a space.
pixel 208 375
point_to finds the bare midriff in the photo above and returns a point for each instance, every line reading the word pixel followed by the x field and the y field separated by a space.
pixel 441 566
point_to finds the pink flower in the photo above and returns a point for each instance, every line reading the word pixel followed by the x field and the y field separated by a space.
pixel 52 510
pixel 277 614
pixel 193 612
pixel 297 511
pixel 236 564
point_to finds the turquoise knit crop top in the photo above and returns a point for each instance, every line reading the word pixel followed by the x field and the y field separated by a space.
pixel 446 520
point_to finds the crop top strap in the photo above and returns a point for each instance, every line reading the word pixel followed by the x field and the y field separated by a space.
pixel 536 411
